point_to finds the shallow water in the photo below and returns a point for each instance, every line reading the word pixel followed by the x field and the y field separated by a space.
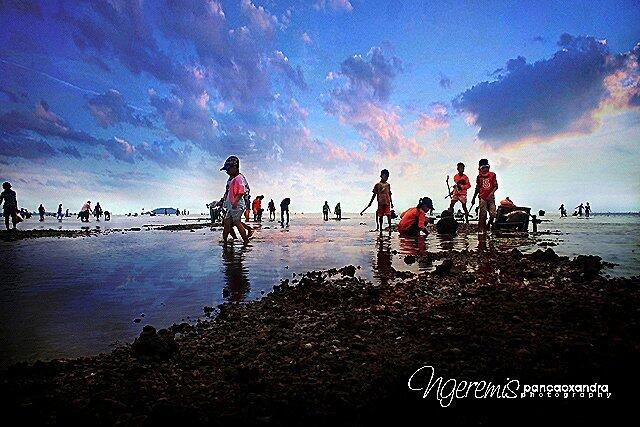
pixel 64 297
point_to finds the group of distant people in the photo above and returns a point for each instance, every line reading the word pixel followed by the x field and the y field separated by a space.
pixel 337 211
pixel 580 210
pixel 14 215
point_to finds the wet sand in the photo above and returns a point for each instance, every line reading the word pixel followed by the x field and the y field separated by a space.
pixel 330 348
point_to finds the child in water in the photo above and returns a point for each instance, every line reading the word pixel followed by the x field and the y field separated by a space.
pixel 382 191
pixel 234 199
pixel 459 193
pixel 486 186
pixel 414 220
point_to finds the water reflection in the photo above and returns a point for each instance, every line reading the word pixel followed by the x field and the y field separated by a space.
pixel 382 267
pixel 416 246
pixel 237 284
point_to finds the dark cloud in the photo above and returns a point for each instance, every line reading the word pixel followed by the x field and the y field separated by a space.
pixel 110 108
pixel 444 82
pixel 552 97
pixel 25 147
pixel 373 77
pixel 361 101
pixel 19 127
pixel 44 122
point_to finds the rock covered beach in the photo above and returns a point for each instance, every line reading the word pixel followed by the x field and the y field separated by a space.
pixel 330 347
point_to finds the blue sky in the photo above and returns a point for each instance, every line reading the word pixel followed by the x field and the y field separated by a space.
pixel 136 104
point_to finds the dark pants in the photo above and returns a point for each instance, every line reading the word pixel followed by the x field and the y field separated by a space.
pixel 10 211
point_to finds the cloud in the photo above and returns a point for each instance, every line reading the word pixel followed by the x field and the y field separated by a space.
pixel 436 118
pixel 335 5
pixel 306 38
pixel 361 101
pixel 279 61
pixel 555 97
pixel 259 18
pixel 20 128
pixel 186 116
pixel 44 122
pixel 25 147
pixel 109 109
pixel 164 154
pixel 444 82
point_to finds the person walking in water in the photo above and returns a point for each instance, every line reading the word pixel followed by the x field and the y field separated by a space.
pixel 579 208
pixel 284 208
pixel 587 210
pixel 338 212
pixel 486 186
pixel 382 191
pixel 459 192
pixel 59 214
pixel 326 210
pixel 563 211
pixel 272 210
pixel 414 220
pixel 41 212
pixel 234 200
pixel 10 207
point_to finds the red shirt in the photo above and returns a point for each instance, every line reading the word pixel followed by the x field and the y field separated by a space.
pixel 409 218
pixel 486 183
pixel 464 185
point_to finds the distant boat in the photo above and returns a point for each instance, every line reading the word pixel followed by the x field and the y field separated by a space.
pixel 161 211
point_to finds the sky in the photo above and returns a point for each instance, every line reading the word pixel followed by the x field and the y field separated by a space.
pixel 136 104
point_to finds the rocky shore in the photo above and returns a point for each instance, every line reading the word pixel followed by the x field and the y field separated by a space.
pixel 329 348
pixel 13 235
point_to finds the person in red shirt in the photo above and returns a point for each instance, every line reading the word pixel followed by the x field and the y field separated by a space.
pixel 486 186
pixel 257 208
pixel 459 193
pixel 414 220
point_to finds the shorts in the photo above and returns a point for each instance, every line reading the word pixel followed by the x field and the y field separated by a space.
pixel 462 198
pixel 235 214
pixel 383 210
pixel 488 205
pixel 9 211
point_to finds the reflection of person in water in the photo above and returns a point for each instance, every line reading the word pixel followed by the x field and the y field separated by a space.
pixel 383 266
pixel 413 245
pixel 237 284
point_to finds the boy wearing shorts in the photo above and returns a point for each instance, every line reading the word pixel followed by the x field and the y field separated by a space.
pixel 459 193
pixel 382 191
pixel 486 186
